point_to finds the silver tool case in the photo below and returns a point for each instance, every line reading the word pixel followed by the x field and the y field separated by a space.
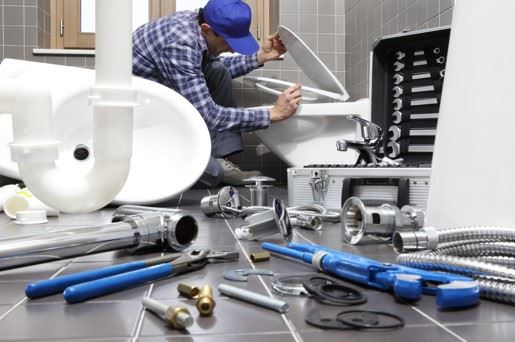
pixel 330 186
pixel 409 67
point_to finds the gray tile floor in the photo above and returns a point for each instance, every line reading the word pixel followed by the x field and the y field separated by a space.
pixel 120 317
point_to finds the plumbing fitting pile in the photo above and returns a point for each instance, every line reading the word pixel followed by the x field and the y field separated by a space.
pixel 483 253
pixel 262 220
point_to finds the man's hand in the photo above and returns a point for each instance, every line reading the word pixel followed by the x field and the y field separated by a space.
pixel 271 49
pixel 286 104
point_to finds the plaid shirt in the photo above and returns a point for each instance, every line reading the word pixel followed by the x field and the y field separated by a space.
pixel 170 51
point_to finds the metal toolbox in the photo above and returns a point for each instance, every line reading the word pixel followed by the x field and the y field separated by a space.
pixel 406 79
pixel 331 186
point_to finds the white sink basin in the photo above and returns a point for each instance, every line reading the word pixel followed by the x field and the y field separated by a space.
pixel 171 141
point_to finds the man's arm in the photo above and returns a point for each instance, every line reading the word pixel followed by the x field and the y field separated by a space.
pixel 181 63
pixel 271 49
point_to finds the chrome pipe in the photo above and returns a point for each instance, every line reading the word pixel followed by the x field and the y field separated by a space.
pixel 132 228
pixel 133 231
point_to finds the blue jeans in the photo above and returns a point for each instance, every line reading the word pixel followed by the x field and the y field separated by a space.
pixel 223 144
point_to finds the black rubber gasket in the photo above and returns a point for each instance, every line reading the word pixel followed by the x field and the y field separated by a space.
pixel 365 319
pixel 330 291
pixel 317 319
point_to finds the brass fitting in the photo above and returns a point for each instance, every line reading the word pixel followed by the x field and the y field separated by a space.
pixel 205 302
pixel 188 291
pixel 179 318
pixel 260 256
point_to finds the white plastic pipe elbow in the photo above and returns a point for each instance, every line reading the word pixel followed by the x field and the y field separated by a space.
pixel 35 150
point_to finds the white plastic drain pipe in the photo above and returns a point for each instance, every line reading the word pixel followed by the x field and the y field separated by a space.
pixel 34 147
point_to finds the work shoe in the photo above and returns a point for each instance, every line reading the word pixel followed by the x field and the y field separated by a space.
pixel 233 175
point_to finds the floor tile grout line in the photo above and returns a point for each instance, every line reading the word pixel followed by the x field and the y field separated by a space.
pixel 437 323
pixel 290 326
pixel 25 298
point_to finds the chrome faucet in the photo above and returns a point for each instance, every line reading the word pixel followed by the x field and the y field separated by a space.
pixel 368 148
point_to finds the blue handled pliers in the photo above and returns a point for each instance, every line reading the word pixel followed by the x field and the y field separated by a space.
pixel 82 286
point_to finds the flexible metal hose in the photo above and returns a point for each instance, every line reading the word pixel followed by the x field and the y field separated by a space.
pixel 488 274
pixel 499 260
pixel 454 264
pixel 432 238
pixel 476 233
pixel 496 248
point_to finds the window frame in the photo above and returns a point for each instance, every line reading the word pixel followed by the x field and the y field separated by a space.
pixel 65 23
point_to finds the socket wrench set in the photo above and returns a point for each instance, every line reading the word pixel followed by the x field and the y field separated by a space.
pixel 407 75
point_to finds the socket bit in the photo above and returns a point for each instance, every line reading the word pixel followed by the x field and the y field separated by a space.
pixel 205 302
pixel 188 291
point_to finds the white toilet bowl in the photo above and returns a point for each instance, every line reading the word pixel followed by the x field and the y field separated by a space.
pixel 309 136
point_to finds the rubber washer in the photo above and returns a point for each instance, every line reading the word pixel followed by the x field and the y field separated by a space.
pixel 319 320
pixel 364 319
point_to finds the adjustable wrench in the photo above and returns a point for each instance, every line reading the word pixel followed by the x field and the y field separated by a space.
pixel 398 116
pixel 398 104
pixel 398 91
pixel 395 133
pixel 396 150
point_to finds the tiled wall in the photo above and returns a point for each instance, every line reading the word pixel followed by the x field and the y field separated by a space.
pixel 339 31
pixel 366 20
pixel 25 25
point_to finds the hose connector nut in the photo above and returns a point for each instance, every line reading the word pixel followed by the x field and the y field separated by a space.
pixel 205 302
pixel 188 291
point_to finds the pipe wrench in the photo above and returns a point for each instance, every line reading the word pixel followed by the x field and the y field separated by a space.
pixel 452 291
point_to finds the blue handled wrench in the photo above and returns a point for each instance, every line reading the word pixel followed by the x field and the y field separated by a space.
pixel 452 291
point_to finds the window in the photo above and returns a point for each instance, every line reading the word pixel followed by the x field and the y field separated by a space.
pixel 73 21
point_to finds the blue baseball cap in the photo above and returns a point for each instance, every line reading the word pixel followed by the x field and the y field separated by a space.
pixel 231 20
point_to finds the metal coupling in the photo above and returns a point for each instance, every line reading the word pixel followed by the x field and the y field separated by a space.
pixel 311 222
pixel 267 223
pixel 359 220
pixel 226 203
pixel 174 227
pixel 260 256
pixel 178 317
pixel 409 241
pixel 205 302
pixel 188 291
pixel 259 191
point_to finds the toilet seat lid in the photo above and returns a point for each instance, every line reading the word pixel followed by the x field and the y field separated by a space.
pixel 310 64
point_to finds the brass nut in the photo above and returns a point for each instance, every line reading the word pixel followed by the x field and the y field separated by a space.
pixel 188 291
pixel 260 256
pixel 205 302
pixel 172 314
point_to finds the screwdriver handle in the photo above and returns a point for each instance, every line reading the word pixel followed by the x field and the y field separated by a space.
pixel 48 287
pixel 96 288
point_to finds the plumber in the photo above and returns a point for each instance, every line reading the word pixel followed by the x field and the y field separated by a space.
pixel 181 51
